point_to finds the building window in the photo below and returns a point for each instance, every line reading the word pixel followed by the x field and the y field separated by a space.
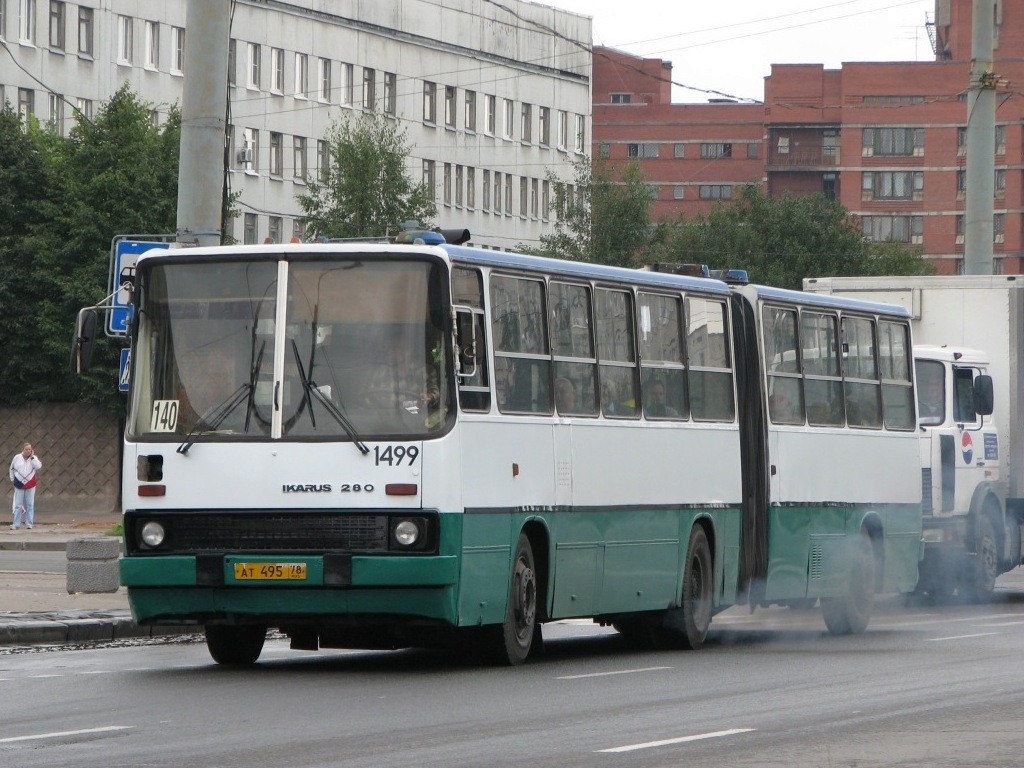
pixel 534 198
pixel 449 106
pixel 715 149
pixel 604 150
pixel 275 228
pixel 544 126
pixel 85 31
pixel 752 151
pixel 446 186
pixel 301 75
pixel 124 39
pixel 715 192
pixel 508 194
pixel 999 228
pixel 581 134
pixel 369 88
pixel 621 98
pixel 26 104
pixel 491 116
pixel 249 154
pixel 324 79
pixel 642 150
pixel 471 187
pixel 299 158
pixel 348 74
pixel 526 123
pixel 563 130
pixel 497 192
pixel 390 94
pixel 892 141
pixel 323 159
pixel 430 179
pixel 677 192
pixel 429 102
pixel 900 229
pixel 545 200
pixel 152 45
pixel 56 118
pixel 277 70
pixel 27 21
pixel 84 107
pixel 177 50
pixel 254 67
pixel 508 125
pixel 1000 183
pixel 276 154
pixel 249 229
pixel 460 179
pixel 524 196
pixel 485 192
pixel 469 118
pixel 57 18
pixel 678 150
pixel 892 185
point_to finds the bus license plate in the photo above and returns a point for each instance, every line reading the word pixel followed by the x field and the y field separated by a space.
pixel 270 571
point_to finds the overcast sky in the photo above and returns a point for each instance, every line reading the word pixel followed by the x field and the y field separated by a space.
pixel 729 45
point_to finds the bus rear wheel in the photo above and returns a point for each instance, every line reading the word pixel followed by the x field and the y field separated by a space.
pixel 849 614
pixel 235 645
pixel 509 643
pixel 687 626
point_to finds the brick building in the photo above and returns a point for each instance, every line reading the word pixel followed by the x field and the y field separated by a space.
pixel 885 139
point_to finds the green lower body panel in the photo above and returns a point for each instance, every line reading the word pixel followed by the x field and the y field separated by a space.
pixel 176 589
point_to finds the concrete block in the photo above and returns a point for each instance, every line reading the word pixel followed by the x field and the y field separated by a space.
pixel 92 576
pixel 33 633
pixel 106 548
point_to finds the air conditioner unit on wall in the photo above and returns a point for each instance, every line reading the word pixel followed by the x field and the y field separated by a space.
pixel 245 156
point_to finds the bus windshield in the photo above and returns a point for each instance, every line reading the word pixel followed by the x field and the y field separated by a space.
pixel 341 349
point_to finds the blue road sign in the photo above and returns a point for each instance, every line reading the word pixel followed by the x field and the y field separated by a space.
pixel 126 365
pixel 126 253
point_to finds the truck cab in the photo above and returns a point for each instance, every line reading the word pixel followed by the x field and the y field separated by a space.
pixel 967 539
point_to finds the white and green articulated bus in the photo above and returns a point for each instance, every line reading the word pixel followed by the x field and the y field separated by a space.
pixel 389 444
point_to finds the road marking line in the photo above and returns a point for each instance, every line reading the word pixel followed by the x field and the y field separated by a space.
pixel 58 734
pixel 680 740
pixel 616 672
pixel 1003 624
pixel 959 637
pixel 42 677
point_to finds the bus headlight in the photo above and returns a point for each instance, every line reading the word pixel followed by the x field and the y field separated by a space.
pixel 152 534
pixel 406 533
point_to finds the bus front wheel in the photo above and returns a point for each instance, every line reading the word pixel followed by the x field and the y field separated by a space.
pixel 509 643
pixel 235 645
pixel 849 614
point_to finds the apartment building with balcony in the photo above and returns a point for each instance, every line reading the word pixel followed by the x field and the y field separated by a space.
pixel 491 96
pixel 886 139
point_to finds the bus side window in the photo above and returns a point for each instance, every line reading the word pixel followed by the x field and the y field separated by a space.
pixel 471 340
pixel 860 373
pixel 522 364
pixel 708 360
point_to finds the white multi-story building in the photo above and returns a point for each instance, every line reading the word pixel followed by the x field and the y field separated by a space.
pixel 492 96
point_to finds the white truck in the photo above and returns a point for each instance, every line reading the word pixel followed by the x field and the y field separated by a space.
pixel 972 464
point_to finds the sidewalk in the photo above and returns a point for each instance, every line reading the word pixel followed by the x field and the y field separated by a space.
pixel 35 607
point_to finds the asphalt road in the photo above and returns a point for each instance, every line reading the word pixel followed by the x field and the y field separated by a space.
pixel 34 561
pixel 925 686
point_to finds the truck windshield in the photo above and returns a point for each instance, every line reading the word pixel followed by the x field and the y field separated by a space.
pixel 360 354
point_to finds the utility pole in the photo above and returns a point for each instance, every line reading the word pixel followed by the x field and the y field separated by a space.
pixel 980 142
pixel 201 163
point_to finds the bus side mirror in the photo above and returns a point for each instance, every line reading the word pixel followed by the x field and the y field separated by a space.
pixel 983 397
pixel 84 340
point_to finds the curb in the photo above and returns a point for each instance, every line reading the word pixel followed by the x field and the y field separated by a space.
pixel 41 629
pixel 32 546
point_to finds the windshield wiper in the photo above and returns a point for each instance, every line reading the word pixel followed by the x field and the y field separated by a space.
pixel 311 391
pixel 216 415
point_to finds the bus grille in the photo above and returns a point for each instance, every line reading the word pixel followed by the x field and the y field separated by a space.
pixel 239 532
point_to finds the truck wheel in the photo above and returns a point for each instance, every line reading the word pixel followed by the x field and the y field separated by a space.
pixel 509 643
pixel 980 574
pixel 849 614
pixel 235 645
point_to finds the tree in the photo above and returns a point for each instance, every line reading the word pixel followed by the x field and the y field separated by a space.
pixel 114 175
pixel 781 240
pixel 600 218
pixel 365 191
